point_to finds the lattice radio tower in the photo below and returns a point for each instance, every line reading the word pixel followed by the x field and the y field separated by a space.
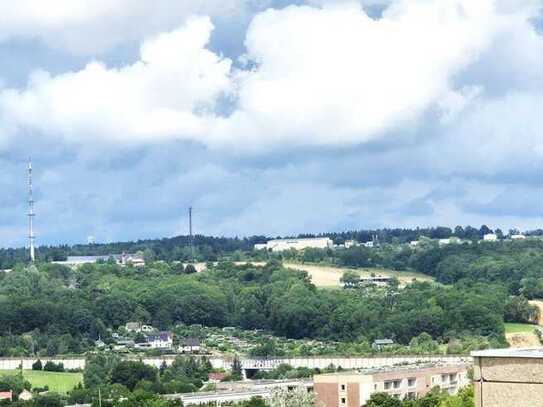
pixel 31 214
pixel 191 241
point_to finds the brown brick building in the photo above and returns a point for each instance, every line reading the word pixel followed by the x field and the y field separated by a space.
pixel 354 388
pixel 508 377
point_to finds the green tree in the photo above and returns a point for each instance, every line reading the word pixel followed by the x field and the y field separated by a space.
pixel 129 373
pixel 190 269
pixel 350 279
pixel 383 400
pixel 98 369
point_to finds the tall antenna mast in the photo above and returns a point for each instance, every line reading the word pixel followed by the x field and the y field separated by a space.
pixel 31 213
pixel 190 236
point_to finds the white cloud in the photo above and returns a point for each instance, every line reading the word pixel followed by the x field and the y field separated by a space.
pixel 322 75
pixel 332 75
pixel 93 26
pixel 170 91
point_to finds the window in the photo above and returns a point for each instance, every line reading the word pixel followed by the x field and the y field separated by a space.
pixel 342 387
pixel 397 384
pixel 388 385
pixel 444 378
pixel 411 395
pixel 343 400
pixel 411 382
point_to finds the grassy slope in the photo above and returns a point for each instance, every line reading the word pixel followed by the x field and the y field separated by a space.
pixel 328 276
pixel 57 382
pixel 513 328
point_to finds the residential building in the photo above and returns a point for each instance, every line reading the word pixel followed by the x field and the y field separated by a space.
pixel 161 340
pixel 444 242
pixel 216 377
pixel 378 344
pixel 490 237
pixel 379 281
pixel 352 243
pixel 25 395
pixel 190 345
pixel 135 260
pixel 139 327
pixel 508 377
pixel 369 244
pixel 100 344
pixel 518 237
pixel 6 395
pixel 353 389
pixel 279 245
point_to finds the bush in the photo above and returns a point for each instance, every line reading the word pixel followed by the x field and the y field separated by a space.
pixel 37 365
pixel 53 367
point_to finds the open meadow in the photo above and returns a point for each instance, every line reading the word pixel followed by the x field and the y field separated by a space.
pixel 59 382
pixel 329 276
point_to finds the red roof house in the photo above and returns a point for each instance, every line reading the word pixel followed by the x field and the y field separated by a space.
pixel 6 395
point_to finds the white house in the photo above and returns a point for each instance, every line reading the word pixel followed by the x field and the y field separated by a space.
pixel 490 237
pixel 190 345
pixel 161 340
pixel 518 237
pixel 25 395
pixel 350 243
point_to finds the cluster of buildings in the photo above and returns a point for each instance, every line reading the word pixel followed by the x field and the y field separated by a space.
pixel 124 259
pixel 153 339
pixel 278 245
pixel 346 388
pixel 489 237
pixel 370 281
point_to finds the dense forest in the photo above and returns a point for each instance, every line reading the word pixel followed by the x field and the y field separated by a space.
pixel 51 309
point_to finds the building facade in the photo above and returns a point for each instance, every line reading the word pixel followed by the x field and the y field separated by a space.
pixel 508 377
pixel 353 389
pixel 279 245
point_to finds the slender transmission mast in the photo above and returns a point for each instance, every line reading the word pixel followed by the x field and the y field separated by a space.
pixel 31 213
pixel 190 236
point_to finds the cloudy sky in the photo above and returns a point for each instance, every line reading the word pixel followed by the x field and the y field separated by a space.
pixel 269 116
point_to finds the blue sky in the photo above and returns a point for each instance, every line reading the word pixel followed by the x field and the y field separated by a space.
pixel 269 117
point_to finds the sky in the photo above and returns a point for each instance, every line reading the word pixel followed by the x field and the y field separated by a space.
pixel 269 117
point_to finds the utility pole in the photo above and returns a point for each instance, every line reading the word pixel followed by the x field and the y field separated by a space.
pixel 31 213
pixel 190 236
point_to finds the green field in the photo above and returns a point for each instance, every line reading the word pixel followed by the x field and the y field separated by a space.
pixel 514 328
pixel 57 382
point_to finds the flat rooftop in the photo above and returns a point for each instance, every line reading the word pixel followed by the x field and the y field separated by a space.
pixel 534 353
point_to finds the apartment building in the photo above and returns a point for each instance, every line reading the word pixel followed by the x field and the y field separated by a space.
pixel 508 377
pixel 354 388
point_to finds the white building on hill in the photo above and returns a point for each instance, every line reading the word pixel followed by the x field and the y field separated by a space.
pixel 279 245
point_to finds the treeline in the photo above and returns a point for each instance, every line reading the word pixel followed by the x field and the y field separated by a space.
pixel 54 309
pixel 208 248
